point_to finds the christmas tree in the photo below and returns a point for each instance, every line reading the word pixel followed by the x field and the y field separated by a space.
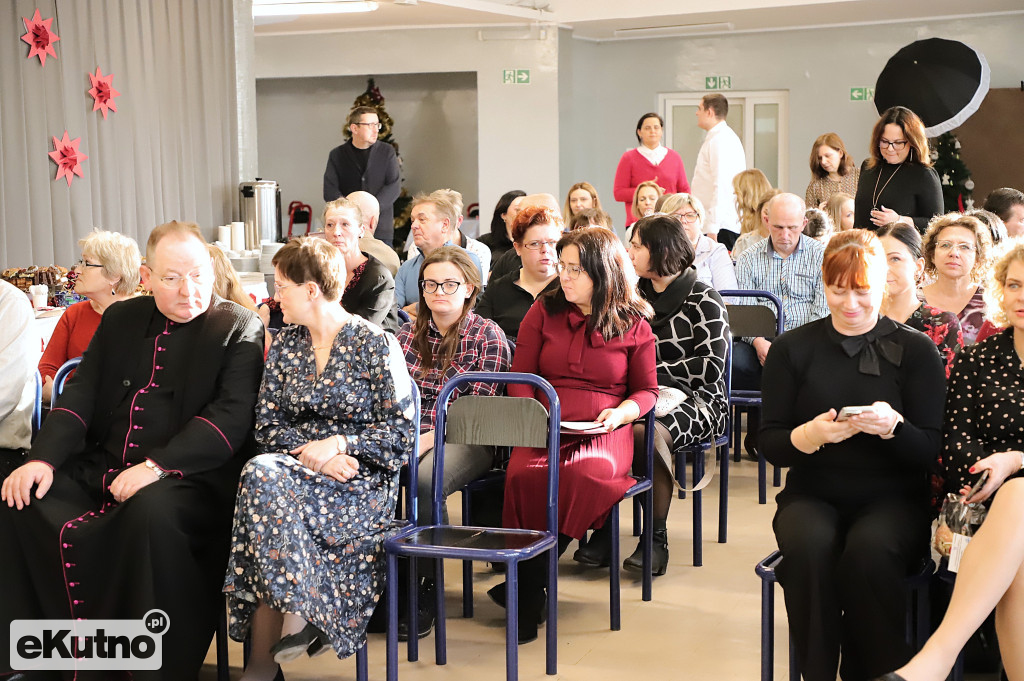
pixel 957 185
pixel 373 97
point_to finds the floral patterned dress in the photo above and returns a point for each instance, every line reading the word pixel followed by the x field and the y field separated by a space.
pixel 304 543
pixel 942 327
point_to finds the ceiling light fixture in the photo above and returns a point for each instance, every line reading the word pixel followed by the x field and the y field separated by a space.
pixel 674 31
pixel 279 8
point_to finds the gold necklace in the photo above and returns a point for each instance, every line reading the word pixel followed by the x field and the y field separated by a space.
pixel 877 193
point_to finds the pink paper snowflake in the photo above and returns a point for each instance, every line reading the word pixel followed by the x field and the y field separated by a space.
pixel 67 157
pixel 39 37
pixel 103 92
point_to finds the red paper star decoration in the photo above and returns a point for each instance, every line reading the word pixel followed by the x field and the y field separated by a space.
pixel 39 37
pixel 103 92
pixel 67 157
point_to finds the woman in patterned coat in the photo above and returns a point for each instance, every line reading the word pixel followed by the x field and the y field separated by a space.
pixel 692 327
pixel 334 425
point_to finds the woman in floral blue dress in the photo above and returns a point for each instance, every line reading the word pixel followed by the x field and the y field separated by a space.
pixel 334 423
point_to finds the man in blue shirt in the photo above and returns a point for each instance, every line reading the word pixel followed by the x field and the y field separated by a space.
pixel 788 264
pixel 434 224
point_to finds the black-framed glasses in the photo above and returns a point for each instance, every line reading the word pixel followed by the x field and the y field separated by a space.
pixel 82 262
pixel 379 126
pixel 898 145
pixel 573 271
pixel 447 287
pixel 537 245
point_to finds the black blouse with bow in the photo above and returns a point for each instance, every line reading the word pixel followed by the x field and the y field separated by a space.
pixel 814 368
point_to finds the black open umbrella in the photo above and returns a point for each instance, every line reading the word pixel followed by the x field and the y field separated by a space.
pixel 942 81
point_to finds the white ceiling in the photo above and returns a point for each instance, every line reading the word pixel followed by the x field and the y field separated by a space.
pixel 599 19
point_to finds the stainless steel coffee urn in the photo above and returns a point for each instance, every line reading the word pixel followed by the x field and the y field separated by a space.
pixel 259 204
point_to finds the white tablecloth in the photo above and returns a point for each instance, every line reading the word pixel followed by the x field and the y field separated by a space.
pixel 46 322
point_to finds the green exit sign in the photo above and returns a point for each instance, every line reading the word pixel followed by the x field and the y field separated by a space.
pixel 862 94
pixel 717 82
pixel 515 77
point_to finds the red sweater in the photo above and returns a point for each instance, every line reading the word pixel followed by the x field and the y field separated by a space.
pixel 634 169
pixel 70 337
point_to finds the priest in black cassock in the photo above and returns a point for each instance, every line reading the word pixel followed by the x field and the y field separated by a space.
pixel 125 502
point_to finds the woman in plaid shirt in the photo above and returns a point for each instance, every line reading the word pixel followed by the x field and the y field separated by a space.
pixel 449 341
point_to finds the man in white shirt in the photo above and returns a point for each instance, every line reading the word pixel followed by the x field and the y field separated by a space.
pixel 19 355
pixel 719 160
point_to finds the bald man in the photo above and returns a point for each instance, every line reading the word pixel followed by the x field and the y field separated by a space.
pixel 369 207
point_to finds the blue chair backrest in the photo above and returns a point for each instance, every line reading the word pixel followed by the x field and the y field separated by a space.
pixel 37 406
pixel 553 434
pixel 759 298
pixel 61 378
pixel 414 457
pixel 403 316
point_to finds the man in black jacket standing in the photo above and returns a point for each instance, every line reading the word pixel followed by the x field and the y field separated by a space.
pixel 361 164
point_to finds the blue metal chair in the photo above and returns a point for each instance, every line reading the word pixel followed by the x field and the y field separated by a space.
pixel 696 452
pixel 918 623
pixel 753 319
pixel 403 316
pixel 483 417
pixel 61 377
pixel 37 406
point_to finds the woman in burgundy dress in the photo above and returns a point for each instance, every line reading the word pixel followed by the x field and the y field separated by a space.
pixel 590 339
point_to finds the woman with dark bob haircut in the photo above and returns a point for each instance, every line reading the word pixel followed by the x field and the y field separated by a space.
pixel 590 339
pixel 692 329
pixel 853 519
pixel 832 170
pixel 897 181
pixel 499 239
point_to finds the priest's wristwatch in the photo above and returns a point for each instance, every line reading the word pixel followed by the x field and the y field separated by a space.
pixel 160 472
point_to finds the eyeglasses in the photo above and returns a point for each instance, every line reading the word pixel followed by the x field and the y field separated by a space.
pixel 572 271
pixel 960 246
pixel 688 218
pixel 898 145
pixel 537 245
pixel 448 287
pixel 379 126
pixel 84 263
pixel 278 287
pixel 198 277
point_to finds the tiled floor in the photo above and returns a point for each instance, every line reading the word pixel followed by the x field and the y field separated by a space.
pixel 703 623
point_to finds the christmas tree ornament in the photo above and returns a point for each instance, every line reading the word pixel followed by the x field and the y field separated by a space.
pixel 39 37
pixel 969 184
pixel 969 203
pixel 945 178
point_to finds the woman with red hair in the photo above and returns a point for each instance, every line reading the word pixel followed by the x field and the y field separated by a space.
pixel 853 407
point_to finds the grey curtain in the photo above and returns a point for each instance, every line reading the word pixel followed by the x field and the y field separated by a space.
pixel 171 151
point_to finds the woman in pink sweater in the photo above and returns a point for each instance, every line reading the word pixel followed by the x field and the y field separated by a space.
pixel 649 161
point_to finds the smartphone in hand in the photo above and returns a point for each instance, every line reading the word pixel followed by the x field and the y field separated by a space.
pixel 846 412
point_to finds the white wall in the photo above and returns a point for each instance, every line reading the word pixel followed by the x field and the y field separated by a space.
pixel 517 124
pixel 614 82
pixel 300 120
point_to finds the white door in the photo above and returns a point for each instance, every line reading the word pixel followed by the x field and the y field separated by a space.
pixel 760 118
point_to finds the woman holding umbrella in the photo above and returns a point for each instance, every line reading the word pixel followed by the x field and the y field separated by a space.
pixel 897 181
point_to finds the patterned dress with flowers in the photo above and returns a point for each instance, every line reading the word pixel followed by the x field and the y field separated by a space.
pixel 304 543
pixel 942 327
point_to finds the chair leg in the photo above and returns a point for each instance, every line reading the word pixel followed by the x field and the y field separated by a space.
pixel 512 621
pixel 776 476
pixel 391 585
pixel 723 497
pixel 362 664
pixel 636 516
pixel 767 630
pixel 737 434
pixel 440 632
pixel 222 645
pixel 413 613
pixel 762 478
pixel 552 625
pixel 648 543
pixel 698 510
pixel 467 565
pixel 613 571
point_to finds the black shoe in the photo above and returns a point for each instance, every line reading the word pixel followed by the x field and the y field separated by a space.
pixel 497 594
pixel 659 555
pixel 426 611
pixel 891 676
pixel 310 640
pixel 750 447
pixel 598 551
pixel 527 630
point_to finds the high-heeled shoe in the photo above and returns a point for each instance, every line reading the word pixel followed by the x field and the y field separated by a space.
pixel 310 640
pixel 497 595
pixel 597 552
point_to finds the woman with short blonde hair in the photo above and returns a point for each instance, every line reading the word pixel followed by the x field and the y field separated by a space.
pixel 107 272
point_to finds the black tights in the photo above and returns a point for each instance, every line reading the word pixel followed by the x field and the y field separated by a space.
pixel 663 487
